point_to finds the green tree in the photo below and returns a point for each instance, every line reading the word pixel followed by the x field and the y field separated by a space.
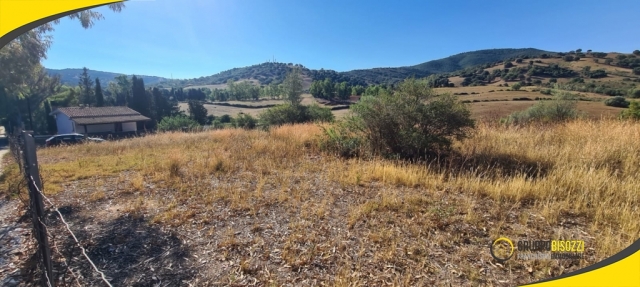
pixel 636 71
pixel 619 102
pixel 411 121
pixel 516 86
pixel 636 52
pixel 38 87
pixel 633 112
pixel 198 112
pixel 98 93
pixel 86 88
pixel 51 122
pixel 176 123
pixel 293 87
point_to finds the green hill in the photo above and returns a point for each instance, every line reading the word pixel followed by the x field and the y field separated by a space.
pixel 71 76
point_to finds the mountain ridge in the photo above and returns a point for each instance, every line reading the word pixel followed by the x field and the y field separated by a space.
pixel 274 72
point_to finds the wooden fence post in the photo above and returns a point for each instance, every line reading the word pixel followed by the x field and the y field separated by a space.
pixel 37 206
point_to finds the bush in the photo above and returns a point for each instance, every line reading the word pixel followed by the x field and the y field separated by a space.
pixel 568 58
pixel 633 112
pixel 225 119
pixel 245 121
pixel 547 111
pixel 618 102
pixel 516 86
pixel 636 71
pixel 635 93
pixel 508 65
pixel 292 114
pixel 176 123
pixel 410 122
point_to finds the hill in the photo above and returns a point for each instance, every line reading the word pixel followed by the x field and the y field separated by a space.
pixel 272 72
pixel 71 76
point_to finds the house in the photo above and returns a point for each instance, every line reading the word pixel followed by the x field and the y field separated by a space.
pixel 97 120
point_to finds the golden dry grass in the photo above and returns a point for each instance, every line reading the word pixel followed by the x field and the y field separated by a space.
pixel 285 212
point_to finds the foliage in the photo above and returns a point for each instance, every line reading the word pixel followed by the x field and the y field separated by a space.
pixel 634 93
pixel 293 114
pixel 619 102
pixel 633 112
pixel 198 112
pixel 636 52
pixel 292 87
pixel 98 94
pixel 176 123
pixel 560 109
pixel 410 122
pixel 636 71
pixel 245 121
pixel 85 83
pixel 516 86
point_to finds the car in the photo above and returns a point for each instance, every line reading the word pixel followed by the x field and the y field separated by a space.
pixel 72 138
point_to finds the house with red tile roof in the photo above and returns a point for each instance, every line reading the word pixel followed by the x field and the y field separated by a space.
pixel 92 120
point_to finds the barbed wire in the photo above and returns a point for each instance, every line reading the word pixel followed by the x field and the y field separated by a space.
pixel 72 234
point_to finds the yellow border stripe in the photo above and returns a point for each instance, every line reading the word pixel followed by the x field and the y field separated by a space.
pixel 20 16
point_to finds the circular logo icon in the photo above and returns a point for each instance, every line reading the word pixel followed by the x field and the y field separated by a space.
pixel 502 249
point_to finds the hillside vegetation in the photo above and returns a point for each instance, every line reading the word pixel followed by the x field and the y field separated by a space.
pixel 72 76
pixel 272 72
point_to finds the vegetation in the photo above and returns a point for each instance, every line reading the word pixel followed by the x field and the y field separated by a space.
pixel 633 112
pixel 177 123
pixel 561 109
pixel 410 122
pixel 619 102
pixel 198 112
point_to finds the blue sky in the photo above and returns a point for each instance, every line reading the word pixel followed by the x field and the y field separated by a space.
pixel 194 38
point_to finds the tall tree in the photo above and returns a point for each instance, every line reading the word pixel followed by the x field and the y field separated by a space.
pixel 38 88
pixel 292 85
pixel 99 96
pixel 51 122
pixel 85 83
pixel 198 112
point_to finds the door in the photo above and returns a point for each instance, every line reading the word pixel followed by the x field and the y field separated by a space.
pixel 118 127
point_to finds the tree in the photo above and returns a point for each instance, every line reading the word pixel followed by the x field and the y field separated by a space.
pixel 411 121
pixel 99 96
pixel 293 87
pixel 51 122
pixel 568 58
pixel 516 86
pixel 636 52
pixel 508 65
pixel 141 102
pixel 38 87
pixel 636 71
pixel 198 112
pixel 86 88
pixel 608 61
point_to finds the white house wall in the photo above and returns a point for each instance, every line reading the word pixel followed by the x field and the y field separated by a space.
pixel 64 124
pixel 129 127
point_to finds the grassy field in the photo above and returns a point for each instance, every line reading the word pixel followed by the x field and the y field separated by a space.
pixel 242 207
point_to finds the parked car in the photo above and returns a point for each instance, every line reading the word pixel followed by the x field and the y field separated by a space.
pixel 70 139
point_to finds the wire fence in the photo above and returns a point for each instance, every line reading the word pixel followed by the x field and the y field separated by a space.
pixel 22 146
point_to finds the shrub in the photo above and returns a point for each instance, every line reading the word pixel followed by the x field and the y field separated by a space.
pixel 516 86
pixel 176 123
pixel 245 121
pixel 633 112
pixel 546 92
pixel 557 110
pixel 618 102
pixel 410 122
pixel 292 114
pixel 225 119
pixel 636 71
pixel 634 93
pixel 568 58
pixel 508 65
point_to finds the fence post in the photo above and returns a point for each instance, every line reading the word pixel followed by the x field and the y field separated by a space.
pixel 37 206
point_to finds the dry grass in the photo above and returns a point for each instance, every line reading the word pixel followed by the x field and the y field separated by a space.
pixel 269 206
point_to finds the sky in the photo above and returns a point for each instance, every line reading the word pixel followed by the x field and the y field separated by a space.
pixel 184 39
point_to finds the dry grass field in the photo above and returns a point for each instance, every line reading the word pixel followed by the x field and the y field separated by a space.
pixel 236 207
